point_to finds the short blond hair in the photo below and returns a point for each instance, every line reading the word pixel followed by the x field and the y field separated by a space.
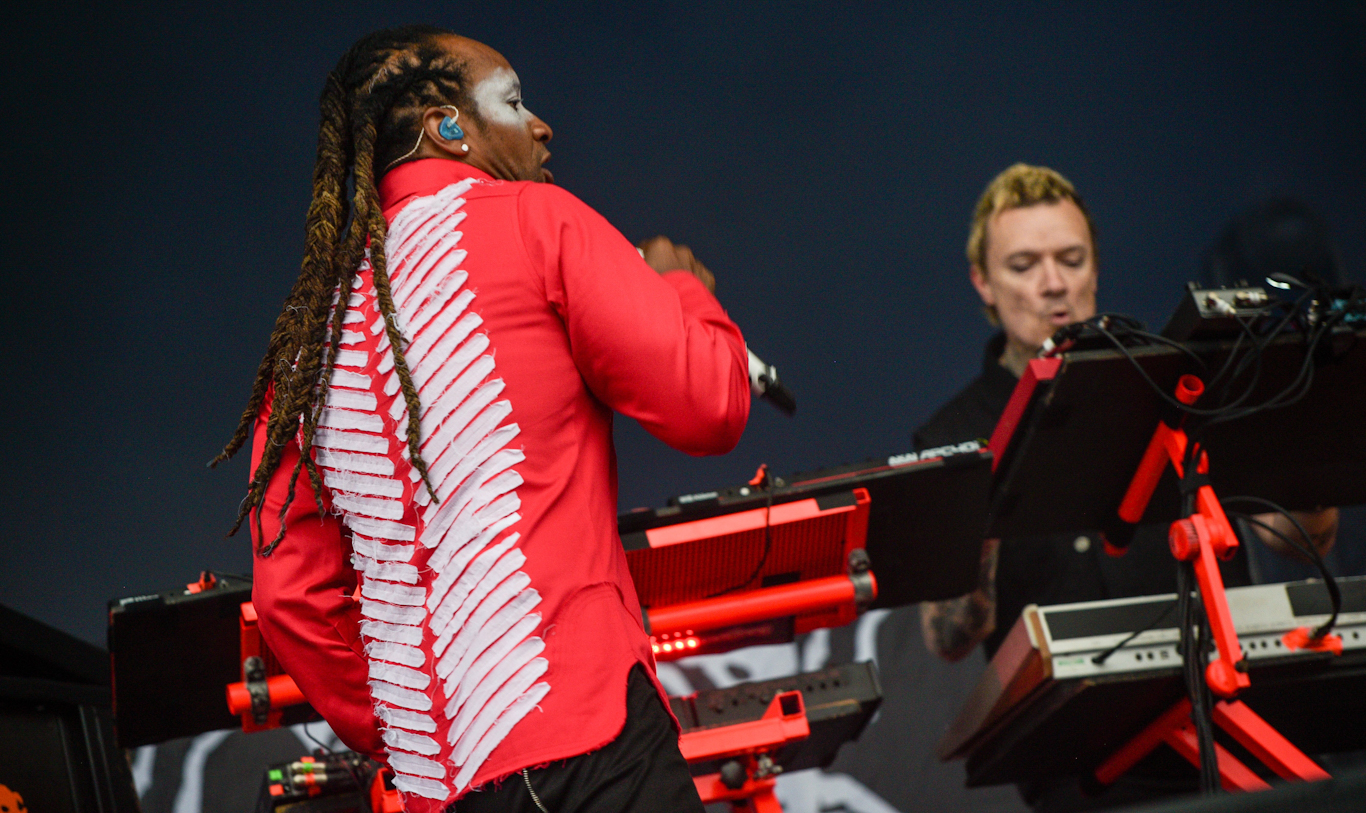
pixel 1018 186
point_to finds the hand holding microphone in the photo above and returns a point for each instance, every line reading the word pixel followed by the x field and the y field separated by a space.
pixel 663 255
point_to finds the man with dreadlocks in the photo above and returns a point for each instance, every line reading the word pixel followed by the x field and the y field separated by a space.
pixel 433 494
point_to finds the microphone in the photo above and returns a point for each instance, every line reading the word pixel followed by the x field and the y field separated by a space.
pixel 763 383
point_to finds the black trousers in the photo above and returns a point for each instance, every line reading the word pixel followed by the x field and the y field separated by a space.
pixel 641 770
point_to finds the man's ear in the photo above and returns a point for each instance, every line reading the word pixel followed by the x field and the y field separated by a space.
pixel 979 281
pixel 446 147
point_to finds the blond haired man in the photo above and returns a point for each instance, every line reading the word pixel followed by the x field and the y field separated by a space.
pixel 1032 259
pixel 1031 255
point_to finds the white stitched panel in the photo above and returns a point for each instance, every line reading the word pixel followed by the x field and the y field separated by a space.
pixel 346 419
pixel 355 300
pixel 423 212
pixel 488 633
pixel 350 336
pixel 399 696
pixel 395 593
pixel 445 411
pixel 495 664
pixel 456 423
pixel 500 600
pixel 408 741
pixel 435 262
pixel 430 300
pixel 465 738
pixel 368 506
pixel 352 358
pixel 402 718
pixel 350 441
pixel 399 675
pixel 419 766
pixel 435 383
pixel 351 317
pixel 384 571
pixel 437 235
pixel 436 291
pixel 366 463
pixel 395 653
pixel 380 551
pixel 481 602
pixel 363 484
pixel 468 527
pixel 346 378
pixel 492 480
pixel 383 530
pixel 483 702
pixel 486 564
pixel 519 709
pixel 398 633
pixel 421 786
pixel 428 338
pixel 454 558
pixel 480 430
pixel 394 615
pixel 377 326
pixel 337 396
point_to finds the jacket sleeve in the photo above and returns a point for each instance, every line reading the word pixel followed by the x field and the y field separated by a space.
pixel 302 593
pixel 658 349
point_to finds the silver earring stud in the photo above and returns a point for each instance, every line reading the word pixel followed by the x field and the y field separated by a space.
pixel 465 147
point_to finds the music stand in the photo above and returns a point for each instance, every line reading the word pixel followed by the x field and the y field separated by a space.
pixel 1077 425
pixel 926 520
pixel 1060 434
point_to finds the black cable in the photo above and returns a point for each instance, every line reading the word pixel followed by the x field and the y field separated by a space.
pixel 1100 658
pixel 768 549
pixel 1192 672
pixel 345 763
pixel 1204 722
pixel 1334 592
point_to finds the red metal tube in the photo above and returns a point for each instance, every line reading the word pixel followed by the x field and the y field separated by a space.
pixel 283 692
pixel 816 595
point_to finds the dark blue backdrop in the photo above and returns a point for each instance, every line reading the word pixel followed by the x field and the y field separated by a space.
pixel 822 162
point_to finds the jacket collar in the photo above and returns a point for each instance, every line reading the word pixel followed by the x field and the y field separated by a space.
pixel 425 176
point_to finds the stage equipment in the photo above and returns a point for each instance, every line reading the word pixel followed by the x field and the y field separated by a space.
pixel 1067 445
pixel 329 782
pixel 1061 419
pixel 1211 313
pixel 1072 683
pixel 57 750
pixel 926 516
pixel 758 563
pixel 738 740
pixel 175 652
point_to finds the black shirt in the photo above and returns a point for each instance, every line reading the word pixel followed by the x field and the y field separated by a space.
pixel 1055 569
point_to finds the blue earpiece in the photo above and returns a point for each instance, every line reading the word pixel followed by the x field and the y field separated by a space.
pixel 449 129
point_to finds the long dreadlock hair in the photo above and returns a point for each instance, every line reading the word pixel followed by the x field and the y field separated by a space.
pixel 371 110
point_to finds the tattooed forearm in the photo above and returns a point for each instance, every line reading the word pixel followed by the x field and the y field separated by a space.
pixel 954 627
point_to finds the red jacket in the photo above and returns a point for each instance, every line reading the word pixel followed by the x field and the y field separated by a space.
pixel 495 628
